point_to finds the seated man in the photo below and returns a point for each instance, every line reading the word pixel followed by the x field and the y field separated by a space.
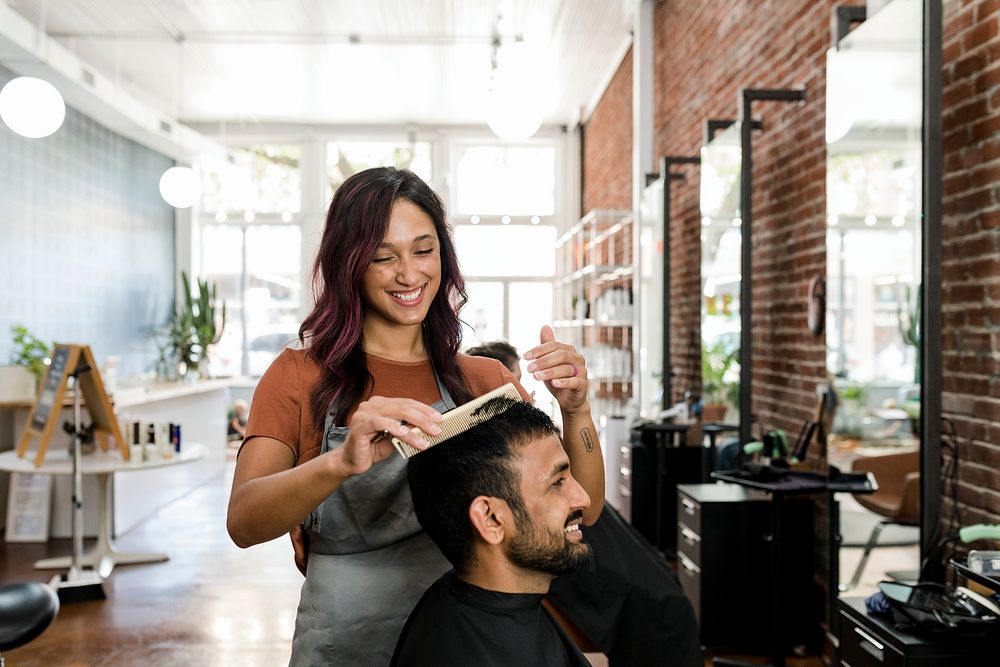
pixel 501 504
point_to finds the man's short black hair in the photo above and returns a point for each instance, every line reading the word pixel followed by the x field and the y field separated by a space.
pixel 479 462
pixel 500 350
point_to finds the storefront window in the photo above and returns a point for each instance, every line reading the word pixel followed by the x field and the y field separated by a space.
pixel 345 158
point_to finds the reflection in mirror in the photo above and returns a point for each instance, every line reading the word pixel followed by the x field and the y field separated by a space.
pixel 874 164
pixel 720 276
pixel 873 215
pixel 651 320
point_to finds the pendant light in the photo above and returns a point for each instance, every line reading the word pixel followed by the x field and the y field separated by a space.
pixel 180 186
pixel 30 106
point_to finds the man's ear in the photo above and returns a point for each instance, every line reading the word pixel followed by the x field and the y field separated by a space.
pixel 491 518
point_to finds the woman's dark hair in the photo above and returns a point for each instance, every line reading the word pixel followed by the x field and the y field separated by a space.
pixel 355 227
pixel 500 350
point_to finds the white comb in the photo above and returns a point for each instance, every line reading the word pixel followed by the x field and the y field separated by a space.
pixel 461 419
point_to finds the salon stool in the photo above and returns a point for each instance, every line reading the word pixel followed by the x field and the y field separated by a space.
pixel 26 609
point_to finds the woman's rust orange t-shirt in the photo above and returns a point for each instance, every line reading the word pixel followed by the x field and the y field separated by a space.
pixel 281 403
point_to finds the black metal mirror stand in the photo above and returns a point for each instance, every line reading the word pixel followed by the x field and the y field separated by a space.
pixel 746 99
pixel 668 177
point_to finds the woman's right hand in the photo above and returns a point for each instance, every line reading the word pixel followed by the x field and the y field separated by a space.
pixel 377 415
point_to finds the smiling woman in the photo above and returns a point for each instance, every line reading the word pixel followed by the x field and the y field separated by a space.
pixel 380 355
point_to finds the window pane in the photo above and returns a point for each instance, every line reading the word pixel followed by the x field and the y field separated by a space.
pixel 264 178
pixel 482 316
pixel 506 180
pixel 222 264
pixel 530 308
pixel 344 158
pixel 506 250
pixel 274 292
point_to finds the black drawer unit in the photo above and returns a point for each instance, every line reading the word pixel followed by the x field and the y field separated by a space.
pixel 723 562
pixel 867 641
pixel 657 468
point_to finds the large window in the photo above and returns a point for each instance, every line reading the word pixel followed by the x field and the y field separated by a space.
pixel 508 271
pixel 260 179
pixel 344 158
pixel 257 270
pixel 505 180
pixel 251 248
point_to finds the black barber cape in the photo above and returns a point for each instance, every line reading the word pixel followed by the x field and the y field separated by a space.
pixel 458 624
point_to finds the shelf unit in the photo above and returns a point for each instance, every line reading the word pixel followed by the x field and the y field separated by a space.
pixel 593 302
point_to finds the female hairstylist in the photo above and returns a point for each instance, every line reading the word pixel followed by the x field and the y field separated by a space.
pixel 381 349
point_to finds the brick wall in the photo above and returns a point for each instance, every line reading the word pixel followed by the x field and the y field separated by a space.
pixel 971 249
pixel 705 52
pixel 607 145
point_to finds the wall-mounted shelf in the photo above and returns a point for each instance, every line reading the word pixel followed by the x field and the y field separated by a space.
pixel 593 301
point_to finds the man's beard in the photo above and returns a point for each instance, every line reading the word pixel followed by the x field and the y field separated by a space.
pixel 543 551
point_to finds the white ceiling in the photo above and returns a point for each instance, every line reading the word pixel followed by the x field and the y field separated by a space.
pixel 369 62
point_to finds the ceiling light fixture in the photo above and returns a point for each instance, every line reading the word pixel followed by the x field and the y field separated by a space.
pixel 32 107
pixel 516 83
pixel 180 187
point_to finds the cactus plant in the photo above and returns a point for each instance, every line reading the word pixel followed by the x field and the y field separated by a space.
pixel 197 323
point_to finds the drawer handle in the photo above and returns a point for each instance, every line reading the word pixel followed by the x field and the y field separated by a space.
pixel 689 535
pixel 871 640
pixel 689 506
pixel 688 565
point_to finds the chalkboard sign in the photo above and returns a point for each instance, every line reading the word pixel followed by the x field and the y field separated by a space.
pixel 66 359
pixel 54 379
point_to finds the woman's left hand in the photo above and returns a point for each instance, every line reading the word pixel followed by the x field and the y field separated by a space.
pixel 563 370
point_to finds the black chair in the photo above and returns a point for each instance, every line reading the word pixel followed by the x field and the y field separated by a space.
pixel 25 611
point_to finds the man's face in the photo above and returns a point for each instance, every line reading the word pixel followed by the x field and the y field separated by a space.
pixel 550 539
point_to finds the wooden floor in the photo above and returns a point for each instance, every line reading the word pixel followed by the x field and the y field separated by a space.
pixel 210 604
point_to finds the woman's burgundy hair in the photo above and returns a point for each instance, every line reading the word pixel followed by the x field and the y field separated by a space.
pixel 355 227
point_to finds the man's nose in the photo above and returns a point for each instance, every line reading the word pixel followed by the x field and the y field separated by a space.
pixel 580 499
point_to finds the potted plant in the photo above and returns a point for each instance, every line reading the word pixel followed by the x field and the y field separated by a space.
pixel 28 360
pixel 718 389
pixel 197 324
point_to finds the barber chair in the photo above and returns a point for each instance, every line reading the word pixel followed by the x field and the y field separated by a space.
pixel 26 609
pixel 898 498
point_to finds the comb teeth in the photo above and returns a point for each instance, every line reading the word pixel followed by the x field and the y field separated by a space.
pixel 461 419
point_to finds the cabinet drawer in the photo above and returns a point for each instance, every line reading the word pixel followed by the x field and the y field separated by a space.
pixel 689 542
pixel 690 576
pixel 861 647
pixel 689 513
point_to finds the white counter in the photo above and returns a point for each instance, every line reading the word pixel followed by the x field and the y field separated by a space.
pixel 199 407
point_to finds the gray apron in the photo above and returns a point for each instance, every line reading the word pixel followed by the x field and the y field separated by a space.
pixel 369 563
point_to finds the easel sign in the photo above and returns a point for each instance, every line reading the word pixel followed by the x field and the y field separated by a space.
pixel 67 358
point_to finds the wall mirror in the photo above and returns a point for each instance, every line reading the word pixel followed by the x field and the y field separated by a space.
pixel 721 243
pixel 876 254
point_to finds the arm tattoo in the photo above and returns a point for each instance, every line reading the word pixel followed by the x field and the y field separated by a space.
pixel 588 442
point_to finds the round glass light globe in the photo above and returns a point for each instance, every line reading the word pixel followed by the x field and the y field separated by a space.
pixel 180 187
pixel 32 107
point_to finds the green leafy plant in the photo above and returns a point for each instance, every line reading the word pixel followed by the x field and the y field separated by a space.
pixel 29 351
pixel 855 393
pixel 197 322
pixel 909 324
pixel 717 366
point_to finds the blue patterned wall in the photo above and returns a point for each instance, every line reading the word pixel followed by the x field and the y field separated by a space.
pixel 86 241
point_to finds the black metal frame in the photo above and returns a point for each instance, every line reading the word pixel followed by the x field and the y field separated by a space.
pixel 668 176
pixel 842 18
pixel 746 99
pixel 930 346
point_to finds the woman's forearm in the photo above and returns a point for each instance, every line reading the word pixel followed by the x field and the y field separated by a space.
pixel 267 506
pixel 585 459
